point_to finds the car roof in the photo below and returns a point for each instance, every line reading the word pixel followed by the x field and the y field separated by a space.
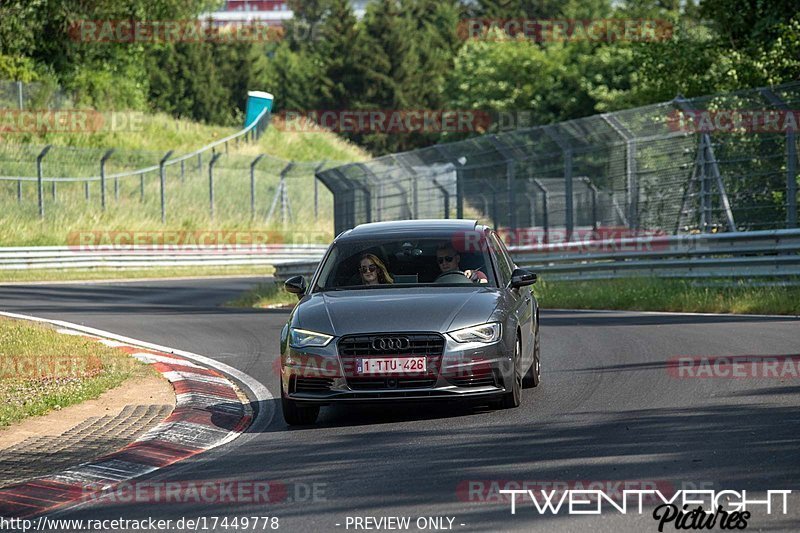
pixel 417 228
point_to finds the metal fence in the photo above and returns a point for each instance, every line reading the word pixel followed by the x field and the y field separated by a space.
pixel 227 180
pixel 20 96
pixel 61 257
pixel 645 170
pixel 771 256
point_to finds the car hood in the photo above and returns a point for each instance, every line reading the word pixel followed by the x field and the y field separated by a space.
pixel 395 310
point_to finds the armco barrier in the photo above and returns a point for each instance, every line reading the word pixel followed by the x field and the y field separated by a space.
pixel 768 254
pixel 71 257
pixel 722 255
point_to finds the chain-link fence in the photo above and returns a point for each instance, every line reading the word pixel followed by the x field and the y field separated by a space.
pixel 715 163
pixel 21 96
pixel 227 183
pixel 204 187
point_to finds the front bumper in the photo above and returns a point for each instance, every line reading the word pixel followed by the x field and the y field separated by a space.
pixel 463 372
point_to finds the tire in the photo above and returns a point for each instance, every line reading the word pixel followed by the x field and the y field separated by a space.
pixel 297 415
pixel 533 377
pixel 513 398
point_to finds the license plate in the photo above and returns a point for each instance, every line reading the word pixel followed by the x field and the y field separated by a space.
pixel 392 365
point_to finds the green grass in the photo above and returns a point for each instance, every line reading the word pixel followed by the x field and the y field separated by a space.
pixel 81 274
pixel 41 370
pixel 159 132
pixel 645 294
pixel 187 193
pixel 630 294
pixel 265 295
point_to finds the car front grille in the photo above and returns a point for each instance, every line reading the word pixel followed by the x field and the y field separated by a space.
pixel 419 344
pixel 372 383
pixel 354 347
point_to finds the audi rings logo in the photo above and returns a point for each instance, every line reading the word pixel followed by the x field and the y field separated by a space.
pixel 383 344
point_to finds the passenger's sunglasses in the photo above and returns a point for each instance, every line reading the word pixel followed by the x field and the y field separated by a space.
pixel 371 268
pixel 445 259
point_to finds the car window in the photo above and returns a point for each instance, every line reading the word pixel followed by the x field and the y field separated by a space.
pixel 401 262
pixel 501 258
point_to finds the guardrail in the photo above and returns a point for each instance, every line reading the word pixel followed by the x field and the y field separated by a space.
pixel 722 255
pixel 772 254
pixel 145 257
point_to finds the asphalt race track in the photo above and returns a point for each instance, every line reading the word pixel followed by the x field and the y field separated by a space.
pixel 610 409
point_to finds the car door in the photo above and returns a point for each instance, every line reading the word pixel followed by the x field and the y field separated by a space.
pixel 523 303
pixel 519 300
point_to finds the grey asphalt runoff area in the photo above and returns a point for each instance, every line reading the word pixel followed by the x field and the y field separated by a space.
pixel 610 409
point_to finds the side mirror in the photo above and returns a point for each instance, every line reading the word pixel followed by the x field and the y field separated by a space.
pixel 521 277
pixel 295 285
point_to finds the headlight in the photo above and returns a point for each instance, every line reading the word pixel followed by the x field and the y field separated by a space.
pixel 301 338
pixel 484 333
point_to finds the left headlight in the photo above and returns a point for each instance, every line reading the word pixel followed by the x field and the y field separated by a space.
pixel 302 338
pixel 485 333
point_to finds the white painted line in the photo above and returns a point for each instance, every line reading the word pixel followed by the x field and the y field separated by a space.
pixel 151 358
pixel 68 332
pixel 186 434
pixel 204 401
pixel 174 375
pixel 111 344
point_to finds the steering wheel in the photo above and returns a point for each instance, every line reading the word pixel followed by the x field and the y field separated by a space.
pixel 452 276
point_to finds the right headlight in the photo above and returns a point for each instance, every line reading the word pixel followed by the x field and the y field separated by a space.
pixel 303 338
pixel 484 333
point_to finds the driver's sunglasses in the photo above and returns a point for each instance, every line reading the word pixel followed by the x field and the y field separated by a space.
pixel 445 259
pixel 371 268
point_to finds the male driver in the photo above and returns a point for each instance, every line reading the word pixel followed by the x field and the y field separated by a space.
pixel 448 259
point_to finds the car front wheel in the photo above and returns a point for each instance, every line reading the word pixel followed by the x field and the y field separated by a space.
pixel 513 397
pixel 298 415
pixel 534 375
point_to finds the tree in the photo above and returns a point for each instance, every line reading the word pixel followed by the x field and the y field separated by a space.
pixel 340 57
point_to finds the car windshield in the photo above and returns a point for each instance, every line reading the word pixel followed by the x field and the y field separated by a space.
pixel 397 262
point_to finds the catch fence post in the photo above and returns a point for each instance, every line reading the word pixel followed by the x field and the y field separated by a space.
pixel 103 178
pixel 162 170
pixel 40 186
pixel 253 186
pixel 211 183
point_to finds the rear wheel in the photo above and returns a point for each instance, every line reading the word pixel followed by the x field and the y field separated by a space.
pixel 534 375
pixel 513 397
pixel 298 415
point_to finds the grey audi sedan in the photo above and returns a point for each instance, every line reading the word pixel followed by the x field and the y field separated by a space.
pixel 410 310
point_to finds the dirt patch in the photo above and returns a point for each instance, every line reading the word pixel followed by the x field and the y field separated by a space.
pixel 137 391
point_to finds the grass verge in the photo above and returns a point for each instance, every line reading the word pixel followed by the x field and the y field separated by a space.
pixel 42 370
pixel 646 294
pixel 641 294
pixel 21 276
pixel 265 295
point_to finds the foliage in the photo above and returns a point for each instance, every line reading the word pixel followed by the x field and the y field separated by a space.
pixel 41 370
pixel 406 54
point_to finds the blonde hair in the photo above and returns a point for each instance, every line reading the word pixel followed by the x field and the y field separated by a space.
pixel 383 273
